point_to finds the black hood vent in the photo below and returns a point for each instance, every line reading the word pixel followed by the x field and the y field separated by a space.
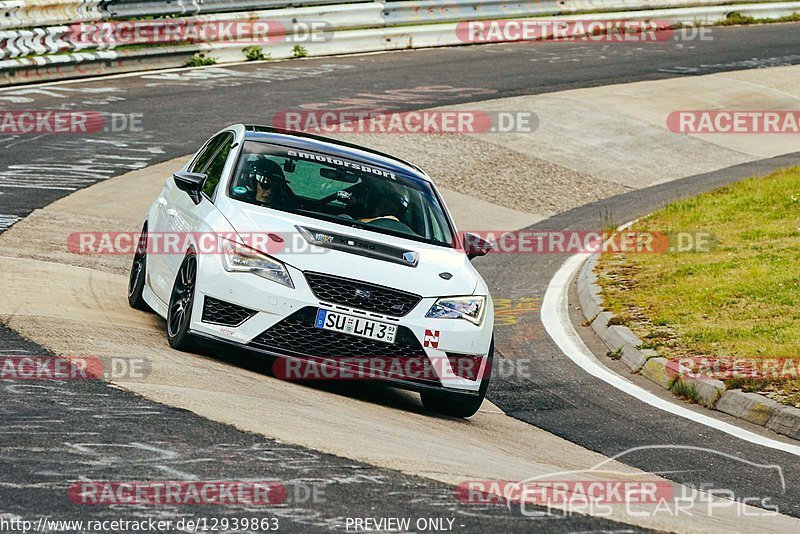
pixel 359 246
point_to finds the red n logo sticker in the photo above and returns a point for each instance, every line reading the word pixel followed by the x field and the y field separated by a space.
pixel 431 339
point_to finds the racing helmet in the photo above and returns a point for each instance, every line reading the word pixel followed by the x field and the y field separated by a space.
pixel 265 172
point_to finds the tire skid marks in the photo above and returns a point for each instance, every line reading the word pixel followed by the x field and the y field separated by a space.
pixel 754 63
pixel 217 77
pixel 97 95
pixel 7 221
pixel 54 441
pixel 82 162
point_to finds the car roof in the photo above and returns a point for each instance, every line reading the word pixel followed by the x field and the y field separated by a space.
pixel 333 147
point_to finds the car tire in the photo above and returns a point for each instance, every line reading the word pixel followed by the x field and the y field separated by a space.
pixel 179 313
pixel 139 274
pixel 459 405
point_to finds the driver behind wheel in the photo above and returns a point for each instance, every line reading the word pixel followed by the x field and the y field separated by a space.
pixel 265 181
pixel 387 203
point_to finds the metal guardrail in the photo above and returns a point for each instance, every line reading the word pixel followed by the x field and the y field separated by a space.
pixel 38 41
pixel 48 52
pixel 124 9
pixel 26 14
pixel 39 13
pixel 59 39
pixel 416 12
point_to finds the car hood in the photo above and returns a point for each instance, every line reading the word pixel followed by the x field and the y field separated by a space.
pixel 423 279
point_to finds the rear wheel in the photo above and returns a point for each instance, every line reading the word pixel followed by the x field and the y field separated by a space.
pixel 460 405
pixel 138 274
pixel 179 314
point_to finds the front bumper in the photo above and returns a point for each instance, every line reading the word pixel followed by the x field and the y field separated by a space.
pixel 268 316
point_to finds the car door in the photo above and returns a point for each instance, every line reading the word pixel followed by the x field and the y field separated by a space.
pixel 160 265
pixel 185 217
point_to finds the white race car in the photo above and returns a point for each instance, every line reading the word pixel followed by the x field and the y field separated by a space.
pixel 338 261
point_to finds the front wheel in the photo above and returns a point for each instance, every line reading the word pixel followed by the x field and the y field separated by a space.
pixel 138 274
pixel 460 405
pixel 179 314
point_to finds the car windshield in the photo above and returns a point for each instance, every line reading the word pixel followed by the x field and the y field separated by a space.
pixel 339 190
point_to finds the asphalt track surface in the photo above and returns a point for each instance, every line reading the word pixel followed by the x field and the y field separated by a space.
pixel 585 410
pixel 181 110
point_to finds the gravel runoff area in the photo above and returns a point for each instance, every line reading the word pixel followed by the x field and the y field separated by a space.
pixel 472 166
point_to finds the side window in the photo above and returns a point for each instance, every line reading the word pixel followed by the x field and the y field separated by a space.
pixel 205 155
pixel 214 170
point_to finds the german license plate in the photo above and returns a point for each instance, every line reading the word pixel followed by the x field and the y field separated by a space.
pixel 356 326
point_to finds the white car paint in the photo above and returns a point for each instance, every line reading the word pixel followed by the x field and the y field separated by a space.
pixel 174 211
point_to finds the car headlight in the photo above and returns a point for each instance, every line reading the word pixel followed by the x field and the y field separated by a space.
pixel 238 258
pixel 469 308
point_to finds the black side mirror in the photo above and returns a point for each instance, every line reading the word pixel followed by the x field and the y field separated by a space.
pixel 191 183
pixel 475 245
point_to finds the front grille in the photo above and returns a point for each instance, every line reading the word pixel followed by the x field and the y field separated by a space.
pixel 224 313
pixel 361 295
pixel 296 335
